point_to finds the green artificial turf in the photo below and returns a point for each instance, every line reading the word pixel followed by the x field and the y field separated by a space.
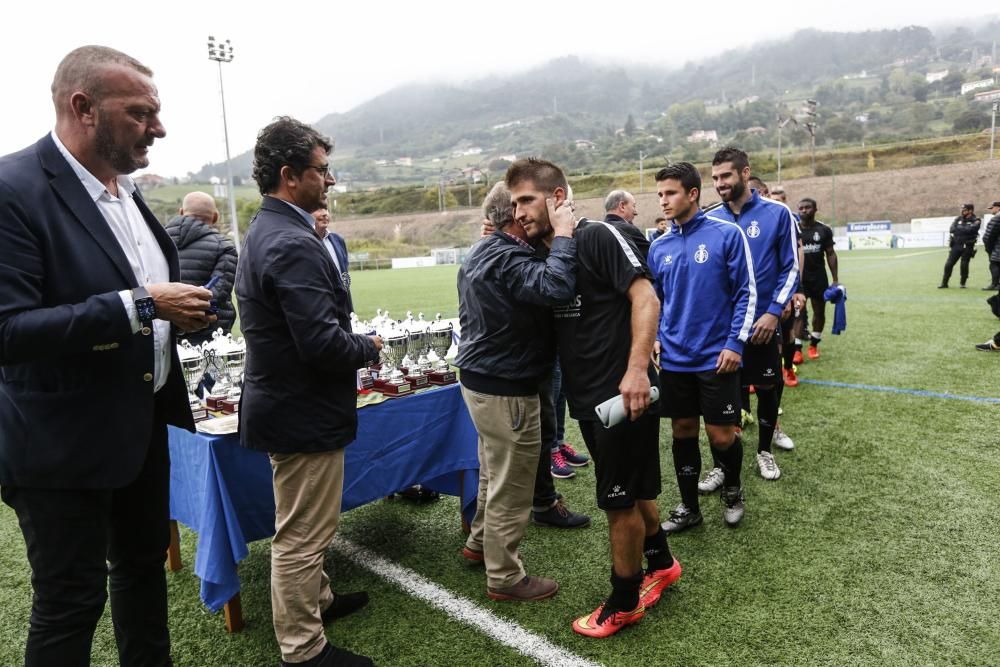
pixel 876 547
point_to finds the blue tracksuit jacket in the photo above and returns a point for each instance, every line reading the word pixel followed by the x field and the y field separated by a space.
pixel 771 233
pixel 704 276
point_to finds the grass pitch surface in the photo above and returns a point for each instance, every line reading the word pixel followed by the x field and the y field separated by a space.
pixel 876 547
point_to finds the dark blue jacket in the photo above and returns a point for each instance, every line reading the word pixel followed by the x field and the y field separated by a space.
pixel 76 407
pixel 505 294
pixel 774 246
pixel 705 281
pixel 299 394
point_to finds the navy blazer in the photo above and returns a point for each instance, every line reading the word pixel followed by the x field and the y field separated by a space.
pixel 76 397
pixel 299 393
pixel 343 258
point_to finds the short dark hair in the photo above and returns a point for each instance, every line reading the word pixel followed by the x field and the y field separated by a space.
pixel 759 180
pixel 285 141
pixel 732 154
pixel 83 68
pixel 811 201
pixel 685 172
pixel 659 219
pixel 543 174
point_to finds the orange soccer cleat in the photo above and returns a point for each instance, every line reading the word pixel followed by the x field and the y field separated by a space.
pixel 655 582
pixel 813 352
pixel 791 379
pixel 601 624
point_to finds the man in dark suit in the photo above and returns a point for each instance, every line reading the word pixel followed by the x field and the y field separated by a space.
pixel 299 401
pixel 90 376
pixel 337 247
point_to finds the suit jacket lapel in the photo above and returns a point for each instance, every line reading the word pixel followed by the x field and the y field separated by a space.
pixel 68 188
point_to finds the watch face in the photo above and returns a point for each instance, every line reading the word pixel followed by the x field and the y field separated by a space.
pixel 145 309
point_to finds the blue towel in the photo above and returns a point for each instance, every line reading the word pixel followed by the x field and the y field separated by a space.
pixel 837 295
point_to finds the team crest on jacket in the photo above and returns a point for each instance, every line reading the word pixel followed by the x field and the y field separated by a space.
pixel 701 254
pixel 754 230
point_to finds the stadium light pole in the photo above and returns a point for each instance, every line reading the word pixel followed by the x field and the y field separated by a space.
pixel 781 125
pixel 222 52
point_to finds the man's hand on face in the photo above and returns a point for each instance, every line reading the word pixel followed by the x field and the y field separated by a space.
pixel 561 217
pixel 185 306
pixel 764 329
pixel 487 228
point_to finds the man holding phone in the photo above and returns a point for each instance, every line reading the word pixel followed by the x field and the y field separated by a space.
pixel 703 273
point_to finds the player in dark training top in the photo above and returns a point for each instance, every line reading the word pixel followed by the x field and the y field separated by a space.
pixel 817 244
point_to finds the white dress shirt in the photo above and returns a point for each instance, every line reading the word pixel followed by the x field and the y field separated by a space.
pixel 144 255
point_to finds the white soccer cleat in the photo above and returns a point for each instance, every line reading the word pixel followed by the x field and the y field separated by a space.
pixel 781 440
pixel 768 468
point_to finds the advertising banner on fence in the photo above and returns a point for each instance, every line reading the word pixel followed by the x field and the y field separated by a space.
pixel 869 235
pixel 920 240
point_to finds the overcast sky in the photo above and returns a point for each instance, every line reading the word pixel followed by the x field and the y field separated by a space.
pixel 308 58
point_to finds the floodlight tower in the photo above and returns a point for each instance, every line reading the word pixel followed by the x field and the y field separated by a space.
pixel 222 52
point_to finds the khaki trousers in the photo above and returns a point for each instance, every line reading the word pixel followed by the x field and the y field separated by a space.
pixel 509 443
pixel 307 494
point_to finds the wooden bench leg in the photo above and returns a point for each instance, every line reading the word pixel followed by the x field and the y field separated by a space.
pixel 174 550
pixel 466 528
pixel 234 614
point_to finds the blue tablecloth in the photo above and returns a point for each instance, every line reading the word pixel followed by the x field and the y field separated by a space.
pixel 223 491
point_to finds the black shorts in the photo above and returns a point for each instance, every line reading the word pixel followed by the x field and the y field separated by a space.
pixel 715 397
pixel 813 287
pixel 761 363
pixel 626 460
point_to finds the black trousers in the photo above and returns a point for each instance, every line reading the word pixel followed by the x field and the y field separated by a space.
pixel 79 539
pixel 545 495
pixel 958 252
pixel 994 272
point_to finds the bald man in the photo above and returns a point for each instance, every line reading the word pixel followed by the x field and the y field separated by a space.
pixel 204 252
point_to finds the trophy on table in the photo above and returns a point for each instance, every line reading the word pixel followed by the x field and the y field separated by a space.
pixel 411 367
pixel 441 336
pixel 391 381
pixel 220 390
pixel 232 354
pixel 193 364
pixel 365 381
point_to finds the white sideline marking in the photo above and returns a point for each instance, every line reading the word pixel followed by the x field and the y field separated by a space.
pixel 903 256
pixel 465 611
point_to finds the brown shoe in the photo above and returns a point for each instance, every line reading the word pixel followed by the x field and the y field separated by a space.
pixel 529 588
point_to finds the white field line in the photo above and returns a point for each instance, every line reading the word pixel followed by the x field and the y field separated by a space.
pixel 465 611
pixel 884 257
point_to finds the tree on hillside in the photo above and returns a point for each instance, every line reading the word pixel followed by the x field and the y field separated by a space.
pixel 972 120
pixel 629 126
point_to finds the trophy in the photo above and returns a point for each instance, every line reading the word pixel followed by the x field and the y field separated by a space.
pixel 220 390
pixel 193 367
pixel 411 369
pixel 390 379
pixel 440 333
pixel 365 382
pixel 232 354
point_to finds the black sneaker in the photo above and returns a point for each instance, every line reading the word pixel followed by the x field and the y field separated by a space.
pixel 733 505
pixel 331 656
pixel 988 346
pixel 680 519
pixel 943 286
pixel 560 516
pixel 344 604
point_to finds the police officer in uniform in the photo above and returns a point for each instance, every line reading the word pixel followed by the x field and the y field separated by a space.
pixel 962 239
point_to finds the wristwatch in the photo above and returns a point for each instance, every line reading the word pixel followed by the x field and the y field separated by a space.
pixel 145 308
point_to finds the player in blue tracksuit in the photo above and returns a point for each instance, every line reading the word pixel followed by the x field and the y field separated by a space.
pixel 771 234
pixel 704 277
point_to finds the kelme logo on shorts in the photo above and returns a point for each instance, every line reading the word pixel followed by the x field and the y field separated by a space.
pixel 728 410
pixel 616 492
